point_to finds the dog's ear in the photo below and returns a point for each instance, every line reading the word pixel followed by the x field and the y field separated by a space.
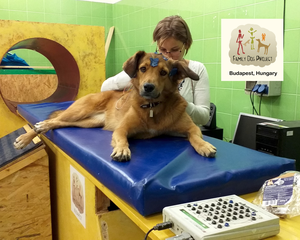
pixel 131 65
pixel 181 70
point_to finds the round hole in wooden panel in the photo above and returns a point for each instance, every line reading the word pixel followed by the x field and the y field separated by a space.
pixel 65 66
pixel 24 84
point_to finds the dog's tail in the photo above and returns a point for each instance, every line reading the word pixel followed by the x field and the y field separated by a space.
pixel 55 114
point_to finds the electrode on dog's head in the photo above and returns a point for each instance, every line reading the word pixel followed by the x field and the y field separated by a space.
pixel 154 62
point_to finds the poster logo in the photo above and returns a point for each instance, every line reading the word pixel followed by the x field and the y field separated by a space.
pixel 252 50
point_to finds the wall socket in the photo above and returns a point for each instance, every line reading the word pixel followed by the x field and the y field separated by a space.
pixel 264 88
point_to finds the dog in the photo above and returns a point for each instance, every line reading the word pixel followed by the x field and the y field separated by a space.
pixel 151 108
pixel 263 45
pixel 248 42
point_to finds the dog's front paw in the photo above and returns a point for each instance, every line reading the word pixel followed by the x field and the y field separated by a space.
pixel 121 154
pixel 22 141
pixel 41 127
pixel 207 150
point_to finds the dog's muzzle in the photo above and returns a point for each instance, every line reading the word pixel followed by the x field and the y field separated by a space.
pixel 149 91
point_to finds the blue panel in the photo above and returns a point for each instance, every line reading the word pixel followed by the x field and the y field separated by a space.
pixel 164 170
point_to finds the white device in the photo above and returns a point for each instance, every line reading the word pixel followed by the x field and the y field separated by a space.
pixel 228 217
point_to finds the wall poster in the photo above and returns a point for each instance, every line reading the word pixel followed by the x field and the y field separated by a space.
pixel 252 50
pixel 77 187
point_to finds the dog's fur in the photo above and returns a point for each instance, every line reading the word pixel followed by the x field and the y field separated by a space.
pixel 128 113
pixel 260 44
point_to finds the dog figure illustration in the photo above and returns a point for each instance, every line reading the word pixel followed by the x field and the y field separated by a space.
pixel 246 42
pixel 263 45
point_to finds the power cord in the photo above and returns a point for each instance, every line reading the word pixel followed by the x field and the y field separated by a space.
pixel 259 111
pixel 160 226
pixel 252 100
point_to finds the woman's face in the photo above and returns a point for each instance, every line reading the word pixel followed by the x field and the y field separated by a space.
pixel 172 48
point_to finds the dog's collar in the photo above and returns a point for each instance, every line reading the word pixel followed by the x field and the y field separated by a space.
pixel 150 105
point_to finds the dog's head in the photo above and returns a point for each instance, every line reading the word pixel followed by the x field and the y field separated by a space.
pixel 153 75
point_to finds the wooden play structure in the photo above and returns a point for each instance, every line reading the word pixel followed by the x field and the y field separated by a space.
pixel 25 206
pixel 77 53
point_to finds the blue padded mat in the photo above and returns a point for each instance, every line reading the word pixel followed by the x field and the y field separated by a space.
pixel 164 170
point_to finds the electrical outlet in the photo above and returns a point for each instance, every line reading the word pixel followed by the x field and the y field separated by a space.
pixel 264 88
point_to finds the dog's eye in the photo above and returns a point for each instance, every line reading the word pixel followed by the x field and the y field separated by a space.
pixel 163 73
pixel 143 69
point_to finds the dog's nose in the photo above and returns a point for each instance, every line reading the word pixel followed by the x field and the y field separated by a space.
pixel 148 87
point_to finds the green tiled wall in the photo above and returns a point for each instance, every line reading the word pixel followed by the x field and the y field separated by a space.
pixel 134 21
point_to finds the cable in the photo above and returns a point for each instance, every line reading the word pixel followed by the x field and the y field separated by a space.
pixel 146 236
pixel 261 95
pixel 252 100
pixel 160 226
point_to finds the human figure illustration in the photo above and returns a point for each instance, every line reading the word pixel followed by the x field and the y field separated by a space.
pixel 263 37
pixel 239 41
pixel 252 38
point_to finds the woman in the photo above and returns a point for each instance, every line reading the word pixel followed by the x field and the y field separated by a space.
pixel 174 39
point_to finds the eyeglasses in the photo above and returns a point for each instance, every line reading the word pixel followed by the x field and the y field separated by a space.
pixel 173 53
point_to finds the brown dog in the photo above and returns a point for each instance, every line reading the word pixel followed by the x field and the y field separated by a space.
pixel 151 108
